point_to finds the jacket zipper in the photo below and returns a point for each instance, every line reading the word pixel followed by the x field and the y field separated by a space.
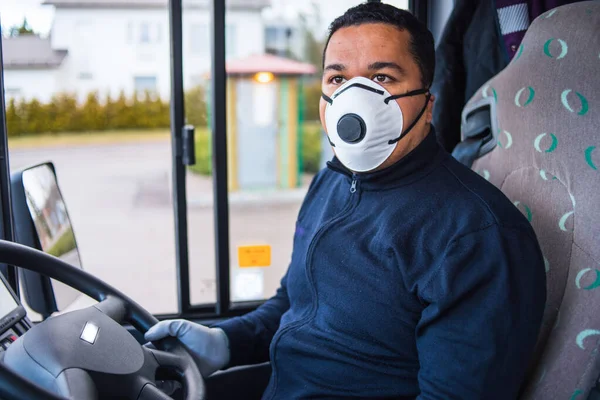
pixel 346 172
pixel 351 204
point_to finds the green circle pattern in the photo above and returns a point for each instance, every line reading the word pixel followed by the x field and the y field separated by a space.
pixel 588 157
pixel 585 106
pixel 564 48
pixel 538 140
pixel 529 98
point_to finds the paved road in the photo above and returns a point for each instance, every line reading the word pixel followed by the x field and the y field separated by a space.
pixel 119 200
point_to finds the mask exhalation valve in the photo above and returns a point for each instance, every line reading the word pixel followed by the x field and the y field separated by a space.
pixel 351 128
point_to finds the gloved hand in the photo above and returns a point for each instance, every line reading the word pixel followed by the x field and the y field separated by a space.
pixel 209 346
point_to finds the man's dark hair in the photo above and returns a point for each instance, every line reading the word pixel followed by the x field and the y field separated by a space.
pixel 421 44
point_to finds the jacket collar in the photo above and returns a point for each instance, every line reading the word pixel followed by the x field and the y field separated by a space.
pixel 416 164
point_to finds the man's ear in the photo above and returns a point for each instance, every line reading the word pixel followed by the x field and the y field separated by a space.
pixel 429 112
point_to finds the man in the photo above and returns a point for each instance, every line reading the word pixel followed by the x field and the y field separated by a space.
pixel 411 276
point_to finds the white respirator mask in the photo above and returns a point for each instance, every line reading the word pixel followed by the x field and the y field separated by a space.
pixel 364 123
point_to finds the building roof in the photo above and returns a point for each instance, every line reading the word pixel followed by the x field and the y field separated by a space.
pixel 269 63
pixel 30 51
pixel 231 4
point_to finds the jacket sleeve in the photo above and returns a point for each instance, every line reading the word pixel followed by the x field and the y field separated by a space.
pixel 449 83
pixel 483 312
pixel 250 335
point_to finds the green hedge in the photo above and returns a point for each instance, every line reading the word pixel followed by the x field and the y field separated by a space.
pixel 203 164
pixel 142 111
pixel 311 146
pixel 311 149
pixel 312 96
pixel 64 114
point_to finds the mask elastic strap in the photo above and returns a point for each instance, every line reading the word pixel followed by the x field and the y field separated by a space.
pixel 403 134
pixel 330 101
pixel 326 98
pixel 411 93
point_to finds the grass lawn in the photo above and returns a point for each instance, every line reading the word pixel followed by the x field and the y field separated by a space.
pixel 63 245
pixel 84 138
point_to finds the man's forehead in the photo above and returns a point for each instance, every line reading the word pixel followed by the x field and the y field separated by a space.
pixel 366 41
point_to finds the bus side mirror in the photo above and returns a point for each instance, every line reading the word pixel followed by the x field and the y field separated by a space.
pixel 41 221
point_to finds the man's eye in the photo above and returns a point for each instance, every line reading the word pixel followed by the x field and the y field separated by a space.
pixel 382 78
pixel 337 80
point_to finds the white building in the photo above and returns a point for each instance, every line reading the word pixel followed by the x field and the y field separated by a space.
pixel 285 37
pixel 114 45
pixel 31 67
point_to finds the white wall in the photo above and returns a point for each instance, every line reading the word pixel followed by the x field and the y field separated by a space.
pixel 28 84
pixel 244 37
pixel 106 52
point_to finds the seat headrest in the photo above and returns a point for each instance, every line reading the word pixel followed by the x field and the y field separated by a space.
pixel 547 104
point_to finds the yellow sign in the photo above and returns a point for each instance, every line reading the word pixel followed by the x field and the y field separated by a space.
pixel 254 256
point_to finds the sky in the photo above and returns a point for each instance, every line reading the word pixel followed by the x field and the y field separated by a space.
pixel 40 16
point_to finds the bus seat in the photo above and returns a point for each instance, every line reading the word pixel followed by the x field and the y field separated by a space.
pixel 542 116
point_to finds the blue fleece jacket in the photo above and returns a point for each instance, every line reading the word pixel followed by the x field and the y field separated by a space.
pixel 418 281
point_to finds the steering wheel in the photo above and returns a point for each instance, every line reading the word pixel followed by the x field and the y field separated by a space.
pixel 87 354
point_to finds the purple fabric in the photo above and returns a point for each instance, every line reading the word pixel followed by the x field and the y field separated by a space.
pixel 538 7
pixel 512 41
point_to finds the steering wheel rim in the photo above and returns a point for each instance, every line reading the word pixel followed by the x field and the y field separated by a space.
pixel 114 304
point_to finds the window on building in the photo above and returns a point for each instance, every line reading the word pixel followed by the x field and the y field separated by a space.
pixel 144 33
pixel 158 32
pixel 130 33
pixel 271 36
pixel 144 83
pixel 274 42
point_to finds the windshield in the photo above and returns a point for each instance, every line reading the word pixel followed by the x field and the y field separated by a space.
pixel 90 88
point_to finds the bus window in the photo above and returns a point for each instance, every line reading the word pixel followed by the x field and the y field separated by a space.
pixel 95 100
pixel 90 92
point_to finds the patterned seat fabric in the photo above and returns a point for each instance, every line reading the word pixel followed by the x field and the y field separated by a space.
pixel 547 161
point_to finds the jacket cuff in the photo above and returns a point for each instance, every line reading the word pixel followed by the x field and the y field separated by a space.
pixel 238 341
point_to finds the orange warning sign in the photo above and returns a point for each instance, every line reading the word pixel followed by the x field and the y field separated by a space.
pixel 254 256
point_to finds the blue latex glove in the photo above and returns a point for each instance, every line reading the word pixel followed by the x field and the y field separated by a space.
pixel 208 346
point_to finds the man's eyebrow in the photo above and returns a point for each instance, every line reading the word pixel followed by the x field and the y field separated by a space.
pixel 387 64
pixel 335 67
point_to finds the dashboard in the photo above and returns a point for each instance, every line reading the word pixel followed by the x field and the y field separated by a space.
pixel 13 320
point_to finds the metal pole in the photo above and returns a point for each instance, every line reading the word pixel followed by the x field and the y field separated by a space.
pixel 178 172
pixel 7 222
pixel 219 159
